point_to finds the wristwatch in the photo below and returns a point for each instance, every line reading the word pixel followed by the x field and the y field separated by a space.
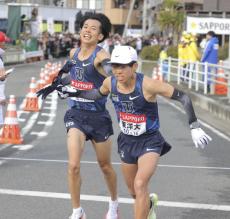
pixel 194 125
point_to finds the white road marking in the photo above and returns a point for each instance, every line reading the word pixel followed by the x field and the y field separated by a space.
pixel 45 130
pixel 47 123
pixel 222 135
pixel 96 198
pixel 48 102
pixel 49 107
pixel 23 147
pixel 21 119
pixel 48 114
pixel 31 159
pixel 194 167
pixel 113 163
pixel 39 134
pixel 215 130
pixel 29 123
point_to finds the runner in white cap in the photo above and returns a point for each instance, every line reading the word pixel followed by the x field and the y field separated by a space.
pixel 140 144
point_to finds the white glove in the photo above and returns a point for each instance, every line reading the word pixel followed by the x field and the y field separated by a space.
pixel 67 91
pixel 63 95
pixel 200 138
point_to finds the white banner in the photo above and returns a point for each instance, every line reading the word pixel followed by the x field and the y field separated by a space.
pixel 203 25
pixel 134 32
pixel 50 25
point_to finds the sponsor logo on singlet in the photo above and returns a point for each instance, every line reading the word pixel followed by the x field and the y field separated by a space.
pixel 81 85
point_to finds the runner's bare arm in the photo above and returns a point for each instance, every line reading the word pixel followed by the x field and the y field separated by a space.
pixel 2 74
pixel 155 87
pixel 105 89
pixel 102 64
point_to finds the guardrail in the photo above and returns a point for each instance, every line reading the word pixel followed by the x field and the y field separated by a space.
pixel 204 77
pixel 15 56
pixel 20 56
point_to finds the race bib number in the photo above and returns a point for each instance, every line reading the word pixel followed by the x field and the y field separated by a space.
pixel 81 85
pixel 131 124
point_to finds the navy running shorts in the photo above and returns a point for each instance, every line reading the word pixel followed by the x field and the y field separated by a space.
pixel 130 148
pixel 96 126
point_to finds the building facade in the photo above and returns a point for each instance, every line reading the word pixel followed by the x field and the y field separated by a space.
pixel 116 10
pixel 217 5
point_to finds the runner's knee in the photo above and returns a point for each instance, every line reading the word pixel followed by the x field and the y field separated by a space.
pixel 74 168
pixel 105 166
pixel 139 186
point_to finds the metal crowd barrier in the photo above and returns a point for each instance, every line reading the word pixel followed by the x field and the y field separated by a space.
pixel 203 77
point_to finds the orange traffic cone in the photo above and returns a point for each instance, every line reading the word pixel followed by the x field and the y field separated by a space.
pixel 48 79
pixel 54 72
pixel 221 88
pixel 41 82
pixel 11 130
pixel 31 98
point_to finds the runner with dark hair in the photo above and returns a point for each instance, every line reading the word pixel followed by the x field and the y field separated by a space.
pixel 87 119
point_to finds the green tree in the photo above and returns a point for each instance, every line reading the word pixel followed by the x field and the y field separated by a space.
pixel 171 18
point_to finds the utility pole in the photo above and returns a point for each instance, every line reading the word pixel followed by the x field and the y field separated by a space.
pixel 128 18
pixel 144 15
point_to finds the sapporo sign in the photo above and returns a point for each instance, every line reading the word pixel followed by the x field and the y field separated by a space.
pixel 203 25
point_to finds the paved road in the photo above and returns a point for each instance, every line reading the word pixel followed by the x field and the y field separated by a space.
pixel 191 183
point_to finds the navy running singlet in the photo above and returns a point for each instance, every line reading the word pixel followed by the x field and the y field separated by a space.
pixel 84 76
pixel 135 115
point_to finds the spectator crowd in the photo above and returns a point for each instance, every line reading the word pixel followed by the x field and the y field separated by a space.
pixel 59 44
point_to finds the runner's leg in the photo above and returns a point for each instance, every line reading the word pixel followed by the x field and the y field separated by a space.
pixel 129 172
pixel 75 143
pixel 103 153
pixel 147 164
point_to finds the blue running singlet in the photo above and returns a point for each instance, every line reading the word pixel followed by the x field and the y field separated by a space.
pixel 84 76
pixel 135 115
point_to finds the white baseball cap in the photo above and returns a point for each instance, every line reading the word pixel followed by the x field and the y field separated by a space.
pixel 123 55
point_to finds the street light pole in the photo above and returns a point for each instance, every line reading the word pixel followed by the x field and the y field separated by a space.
pixel 128 18
pixel 144 17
